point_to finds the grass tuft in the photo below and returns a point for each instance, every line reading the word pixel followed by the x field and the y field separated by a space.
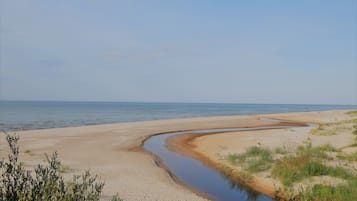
pixel 333 128
pixel 295 168
pixel 254 159
pixel 352 113
pixel 349 157
pixel 324 192
pixel 281 150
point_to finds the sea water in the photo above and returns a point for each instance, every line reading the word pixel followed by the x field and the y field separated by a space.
pixel 25 115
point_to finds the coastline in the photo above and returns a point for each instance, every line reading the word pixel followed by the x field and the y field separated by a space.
pixel 186 145
pixel 212 148
pixel 113 152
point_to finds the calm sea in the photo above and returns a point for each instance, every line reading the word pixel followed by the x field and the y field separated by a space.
pixel 24 115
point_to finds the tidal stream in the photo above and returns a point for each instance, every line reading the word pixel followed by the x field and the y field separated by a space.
pixel 200 176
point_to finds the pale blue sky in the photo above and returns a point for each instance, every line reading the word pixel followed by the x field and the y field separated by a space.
pixel 179 51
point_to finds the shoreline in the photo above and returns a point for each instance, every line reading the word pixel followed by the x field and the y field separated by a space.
pixel 192 145
pixel 173 118
pixel 114 152
pixel 183 144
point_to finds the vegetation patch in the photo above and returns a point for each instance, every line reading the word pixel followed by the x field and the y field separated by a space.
pixel 291 169
pixel 354 132
pixel 333 128
pixel 352 113
pixel 308 162
pixel 281 150
pixel 324 192
pixel 348 157
pixel 295 166
pixel 317 152
pixel 44 182
pixel 326 130
pixel 254 159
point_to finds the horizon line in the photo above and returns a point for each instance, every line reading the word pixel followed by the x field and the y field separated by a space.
pixel 174 102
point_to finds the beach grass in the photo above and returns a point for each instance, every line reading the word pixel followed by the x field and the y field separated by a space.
pixel 317 152
pixel 333 128
pixel 352 113
pixel 254 159
pixel 295 168
pixel 348 157
pixel 281 150
pixel 324 130
pixel 325 192
pixel 308 162
pixel 303 163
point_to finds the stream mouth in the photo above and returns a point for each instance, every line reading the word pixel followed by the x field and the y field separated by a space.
pixel 200 176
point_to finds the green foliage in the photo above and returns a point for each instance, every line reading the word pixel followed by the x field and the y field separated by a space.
pixel 321 192
pixel 254 159
pixel 232 158
pixel 294 168
pixel 307 162
pixel 45 183
pixel 317 152
pixel 328 147
pixel 258 165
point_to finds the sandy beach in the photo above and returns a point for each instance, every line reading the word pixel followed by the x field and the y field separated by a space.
pixel 213 149
pixel 113 151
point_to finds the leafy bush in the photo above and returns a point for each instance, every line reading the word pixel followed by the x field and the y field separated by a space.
pixel 45 182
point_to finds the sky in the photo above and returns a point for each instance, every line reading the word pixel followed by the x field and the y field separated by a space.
pixel 298 52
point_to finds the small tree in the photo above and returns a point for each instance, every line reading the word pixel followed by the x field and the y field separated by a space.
pixel 45 183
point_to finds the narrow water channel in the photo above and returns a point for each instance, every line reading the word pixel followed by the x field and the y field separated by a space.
pixel 200 176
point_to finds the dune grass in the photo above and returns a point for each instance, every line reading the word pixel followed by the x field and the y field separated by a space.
pixel 306 162
pixel 333 128
pixel 325 130
pixel 348 157
pixel 318 152
pixel 354 132
pixel 292 169
pixel 352 113
pixel 254 159
pixel 294 166
pixel 281 150
pixel 321 192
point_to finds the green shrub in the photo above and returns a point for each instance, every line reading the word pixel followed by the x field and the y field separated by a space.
pixel 45 182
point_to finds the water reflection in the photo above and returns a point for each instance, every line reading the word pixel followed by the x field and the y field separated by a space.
pixel 200 176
